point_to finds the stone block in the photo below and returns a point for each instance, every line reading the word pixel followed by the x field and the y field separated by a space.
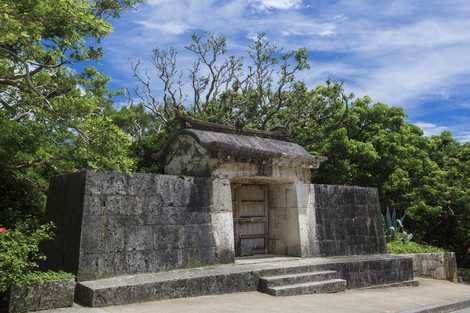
pixel 100 265
pixel 168 236
pixel 220 195
pixel 140 184
pixel 139 237
pixel 112 183
pixel 41 296
pixel 141 261
pixel 441 265
pixel 348 221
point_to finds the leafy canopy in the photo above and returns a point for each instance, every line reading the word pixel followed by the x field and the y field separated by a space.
pixel 52 107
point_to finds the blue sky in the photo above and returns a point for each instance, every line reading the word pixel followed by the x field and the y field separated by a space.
pixel 414 54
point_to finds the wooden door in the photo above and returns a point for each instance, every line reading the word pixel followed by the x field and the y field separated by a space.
pixel 250 219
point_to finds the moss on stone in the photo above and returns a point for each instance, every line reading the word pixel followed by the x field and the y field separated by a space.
pixel 37 277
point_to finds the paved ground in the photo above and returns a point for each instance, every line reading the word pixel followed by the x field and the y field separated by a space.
pixel 396 299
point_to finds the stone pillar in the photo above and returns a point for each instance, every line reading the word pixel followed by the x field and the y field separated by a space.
pixel 307 220
pixel 285 222
pixel 221 214
pixel 292 230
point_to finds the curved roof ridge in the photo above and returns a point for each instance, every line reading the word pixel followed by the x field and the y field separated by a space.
pixel 191 123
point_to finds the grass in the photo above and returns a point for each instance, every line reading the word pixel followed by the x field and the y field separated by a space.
pixel 400 247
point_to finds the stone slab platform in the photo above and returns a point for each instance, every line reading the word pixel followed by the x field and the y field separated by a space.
pixel 430 294
pixel 358 271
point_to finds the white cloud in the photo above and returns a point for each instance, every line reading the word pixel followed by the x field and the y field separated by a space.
pixel 400 52
pixel 277 4
pixel 431 129
pixel 463 137
pixel 156 2
pixel 173 27
pixel 406 79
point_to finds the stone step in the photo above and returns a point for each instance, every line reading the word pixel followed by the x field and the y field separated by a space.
pixel 327 286
pixel 289 279
pixel 292 269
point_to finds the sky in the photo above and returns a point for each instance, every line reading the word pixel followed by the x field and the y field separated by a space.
pixel 414 54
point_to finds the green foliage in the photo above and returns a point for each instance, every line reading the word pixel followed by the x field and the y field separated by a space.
pixel 146 135
pixel 53 119
pixel 20 253
pixel 401 247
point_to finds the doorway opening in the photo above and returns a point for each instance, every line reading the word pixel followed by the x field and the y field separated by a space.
pixel 250 219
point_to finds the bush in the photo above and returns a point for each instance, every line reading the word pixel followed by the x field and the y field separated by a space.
pixel 400 247
pixel 20 254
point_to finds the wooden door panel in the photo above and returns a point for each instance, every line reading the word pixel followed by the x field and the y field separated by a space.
pixel 252 229
pixel 252 193
pixel 250 219
pixel 251 209
pixel 252 246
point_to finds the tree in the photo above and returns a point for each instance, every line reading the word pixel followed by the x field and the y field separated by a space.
pixel 449 225
pixel 223 88
pixel 52 116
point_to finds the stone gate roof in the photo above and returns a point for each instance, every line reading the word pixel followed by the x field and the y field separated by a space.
pixel 222 145
pixel 226 142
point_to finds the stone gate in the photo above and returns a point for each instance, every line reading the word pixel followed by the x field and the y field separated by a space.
pixel 225 193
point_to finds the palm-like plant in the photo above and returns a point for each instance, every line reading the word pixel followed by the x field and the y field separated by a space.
pixel 394 229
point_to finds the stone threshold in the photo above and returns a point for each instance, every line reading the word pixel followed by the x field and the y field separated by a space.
pixel 243 275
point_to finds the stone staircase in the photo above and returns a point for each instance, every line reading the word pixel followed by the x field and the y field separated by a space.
pixel 290 284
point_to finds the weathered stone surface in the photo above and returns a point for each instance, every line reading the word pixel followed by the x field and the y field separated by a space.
pixel 118 224
pixel 113 224
pixel 347 221
pixel 167 285
pixel 440 265
pixel 48 295
pixel 358 271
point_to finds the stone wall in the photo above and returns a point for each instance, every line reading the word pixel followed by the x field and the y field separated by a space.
pixel 113 224
pixel 118 224
pixel 347 221
pixel 440 265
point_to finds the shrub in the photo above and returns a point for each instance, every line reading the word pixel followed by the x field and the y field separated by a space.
pixel 20 254
pixel 400 247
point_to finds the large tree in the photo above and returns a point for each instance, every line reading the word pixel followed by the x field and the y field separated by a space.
pixel 52 109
